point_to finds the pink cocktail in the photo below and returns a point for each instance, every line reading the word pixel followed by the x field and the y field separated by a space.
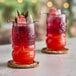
pixel 56 31
pixel 23 41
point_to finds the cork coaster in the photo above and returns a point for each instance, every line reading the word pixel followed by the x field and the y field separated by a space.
pixel 49 51
pixel 12 64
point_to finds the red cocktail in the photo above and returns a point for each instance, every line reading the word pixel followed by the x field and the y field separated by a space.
pixel 56 28
pixel 23 42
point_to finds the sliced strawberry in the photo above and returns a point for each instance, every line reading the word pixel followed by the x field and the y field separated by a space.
pixel 53 11
pixel 21 20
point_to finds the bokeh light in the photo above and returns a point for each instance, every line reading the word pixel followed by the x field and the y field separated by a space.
pixel 20 1
pixel 49 4
pixel 33 1
pixel 66 5
pixel 1 1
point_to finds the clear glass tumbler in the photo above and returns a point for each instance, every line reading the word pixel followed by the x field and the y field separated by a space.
pixel 23 43
pixel 56 32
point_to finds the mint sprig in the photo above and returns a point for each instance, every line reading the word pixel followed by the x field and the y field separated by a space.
pixel 26 14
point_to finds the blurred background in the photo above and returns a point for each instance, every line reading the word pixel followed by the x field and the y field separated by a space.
pixel 35 7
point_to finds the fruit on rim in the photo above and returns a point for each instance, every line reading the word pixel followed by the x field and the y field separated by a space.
pixel 21 20
pixel 53 11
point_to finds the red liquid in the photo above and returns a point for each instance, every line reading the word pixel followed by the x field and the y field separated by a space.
pixel 56 28
pixel 23 43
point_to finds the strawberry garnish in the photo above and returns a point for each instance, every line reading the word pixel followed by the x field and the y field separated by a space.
pixel 53 11
pixel 21 20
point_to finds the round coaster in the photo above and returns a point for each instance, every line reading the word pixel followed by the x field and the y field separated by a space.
pixel 12 64
pixel 50 51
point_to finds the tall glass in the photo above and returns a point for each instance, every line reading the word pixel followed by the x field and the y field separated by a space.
pixel 56 32
pixel 23 43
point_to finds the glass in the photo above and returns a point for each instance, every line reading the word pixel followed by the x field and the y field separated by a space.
pixel 56 32
pixel 23 43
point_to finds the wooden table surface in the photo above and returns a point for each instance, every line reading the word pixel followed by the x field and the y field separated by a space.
pixel 50 65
